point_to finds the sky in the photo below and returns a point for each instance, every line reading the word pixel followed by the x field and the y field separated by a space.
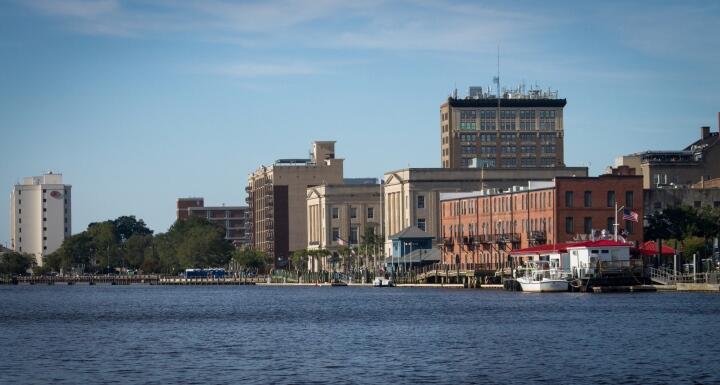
pixel 138 103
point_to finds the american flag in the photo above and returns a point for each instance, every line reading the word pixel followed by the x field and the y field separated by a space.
pixel 629 215
pixel 340 241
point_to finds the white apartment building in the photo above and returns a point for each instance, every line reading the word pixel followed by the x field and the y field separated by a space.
pixel 40 215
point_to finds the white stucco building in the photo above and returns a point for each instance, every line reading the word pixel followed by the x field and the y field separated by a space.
pixel 40 215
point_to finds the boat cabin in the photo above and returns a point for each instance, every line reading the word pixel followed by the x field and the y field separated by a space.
pixel 596 257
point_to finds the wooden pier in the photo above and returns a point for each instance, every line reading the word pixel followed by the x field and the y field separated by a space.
pixel 129 280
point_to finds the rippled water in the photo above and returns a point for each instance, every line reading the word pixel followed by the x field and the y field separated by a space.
pixel 162 335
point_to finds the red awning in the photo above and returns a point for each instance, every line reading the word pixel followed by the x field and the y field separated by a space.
pixel 562 247
pixel 651 248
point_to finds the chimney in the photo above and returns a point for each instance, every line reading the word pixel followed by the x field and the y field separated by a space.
pixel 704 132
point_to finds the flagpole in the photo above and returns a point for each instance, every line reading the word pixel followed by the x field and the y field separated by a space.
pixel 616 224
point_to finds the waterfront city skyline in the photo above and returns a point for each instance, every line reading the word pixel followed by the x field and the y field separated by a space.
pixel 139 103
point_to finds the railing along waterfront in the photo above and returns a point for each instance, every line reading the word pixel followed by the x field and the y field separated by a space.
pixel 668 277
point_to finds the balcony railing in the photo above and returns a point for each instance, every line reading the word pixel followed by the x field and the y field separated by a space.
pixel 537 235
pixel 507 238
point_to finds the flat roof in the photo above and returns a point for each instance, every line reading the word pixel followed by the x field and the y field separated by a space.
pixel 493 102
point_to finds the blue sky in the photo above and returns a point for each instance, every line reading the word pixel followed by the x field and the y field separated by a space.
pixel 140 102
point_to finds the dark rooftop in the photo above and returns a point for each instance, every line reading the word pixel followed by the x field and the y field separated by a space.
pixel 507 102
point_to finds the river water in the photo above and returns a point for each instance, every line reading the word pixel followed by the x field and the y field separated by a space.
pixel 300 335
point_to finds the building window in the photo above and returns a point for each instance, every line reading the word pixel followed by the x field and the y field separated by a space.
pixel 629 227
pixel 421 224
pixel 44 219
pixel 44 247
pixel 611 199
pixel 44 210
pixel 716 203
pixel 353 235
pixel 629 199
pixel 335 234
pixel 353 212
pixel 44 228
pixel 370 212
pixel 44 191
pixel 587 225
pixel 569 225
pixel 421 201
pixel 19 220
pixel 19 211
pixel 44 200
pixel 44 238
pixel 19 229
pixel 658 205
pixel 588 199
pixel 697 204
pixel 335 213
pixel 611 224
pixel 568 199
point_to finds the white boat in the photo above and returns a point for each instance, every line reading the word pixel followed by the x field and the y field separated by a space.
pixel 383 282
pixel 542 277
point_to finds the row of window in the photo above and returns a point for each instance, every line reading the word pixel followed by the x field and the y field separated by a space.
pixel 504 114
pixel 610 199
pixel 501 227
pixel 588 225
pixel 370 212
pixel 533 200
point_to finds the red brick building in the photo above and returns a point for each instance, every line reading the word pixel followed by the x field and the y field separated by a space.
pixel 482 227
pixel 234 219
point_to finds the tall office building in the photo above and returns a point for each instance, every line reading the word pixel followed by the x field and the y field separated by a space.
pixel 277 197
pixel 40 215
pixel 519 129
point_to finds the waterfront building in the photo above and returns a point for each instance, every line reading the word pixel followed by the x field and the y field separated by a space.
pixel 40 215
pixel 412 195
pixel 695 163
pixel 659 199
pixel 483 227
pixel 338 215
pixel 517 129
pixel 234 219
pixel 277 199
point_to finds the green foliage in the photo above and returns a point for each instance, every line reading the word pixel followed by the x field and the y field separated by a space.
pixel 127 242
pixel 299 259
pixel 128 226
pixel 13 263
pixel 694 245
pixel 683 222
pixel 252 259
pixel 371 243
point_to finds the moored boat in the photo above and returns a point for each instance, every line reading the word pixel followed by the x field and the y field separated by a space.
pixel 541 277
pixel 383 282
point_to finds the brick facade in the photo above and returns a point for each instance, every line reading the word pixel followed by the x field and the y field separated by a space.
pixel 482 228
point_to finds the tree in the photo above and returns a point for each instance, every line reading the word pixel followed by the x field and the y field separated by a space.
pixel 195 242
pixel 14 263
pixel 136 249
pixel 299 259
pixel 252 259
pixel 694 245
pixel 127 226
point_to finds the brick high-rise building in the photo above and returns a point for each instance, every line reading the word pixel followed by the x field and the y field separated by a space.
pixel 277 196
pixel 519 129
